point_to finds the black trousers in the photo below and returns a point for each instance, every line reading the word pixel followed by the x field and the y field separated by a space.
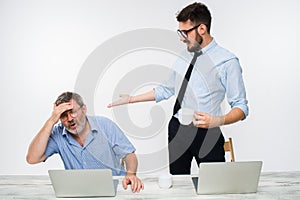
pixel 187 142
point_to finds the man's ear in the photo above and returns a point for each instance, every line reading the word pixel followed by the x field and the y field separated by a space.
pixel 202 29
pixel 84 109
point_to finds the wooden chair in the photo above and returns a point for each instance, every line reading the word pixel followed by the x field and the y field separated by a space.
pixel 228 147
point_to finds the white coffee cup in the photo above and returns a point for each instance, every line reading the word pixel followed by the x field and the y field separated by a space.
pixel 185 116
pixel 165 181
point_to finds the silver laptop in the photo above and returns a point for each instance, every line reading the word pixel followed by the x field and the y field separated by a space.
pixel 228 177
pixel 83 183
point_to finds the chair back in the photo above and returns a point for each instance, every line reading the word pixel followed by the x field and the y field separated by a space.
pixel 228 147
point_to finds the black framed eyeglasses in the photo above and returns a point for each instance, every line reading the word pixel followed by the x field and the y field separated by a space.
pixel 184 33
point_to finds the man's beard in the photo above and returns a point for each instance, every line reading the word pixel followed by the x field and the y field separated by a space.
pixel 80 125
pixel 195 45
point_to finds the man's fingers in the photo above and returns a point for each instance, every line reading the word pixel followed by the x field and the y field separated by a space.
pixel 133 186
pixel 59 109
pixel 124 183
pixel 123 99
pixel 140 186
pixel 115 103
pixel 64 106
pixel 133 183
pixel 136 183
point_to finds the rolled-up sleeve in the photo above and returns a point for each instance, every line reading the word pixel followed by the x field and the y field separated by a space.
pixel 165 90
pixel 236 94
pixel 52 146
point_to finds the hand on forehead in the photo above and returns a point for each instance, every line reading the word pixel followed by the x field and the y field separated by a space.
pixel 72 102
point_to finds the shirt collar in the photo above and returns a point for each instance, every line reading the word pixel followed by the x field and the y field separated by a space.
pixel 64 132
pixel 208 47
pixel 93 124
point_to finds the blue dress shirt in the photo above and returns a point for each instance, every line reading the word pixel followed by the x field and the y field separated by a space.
pixel 217 73
pixel 104 147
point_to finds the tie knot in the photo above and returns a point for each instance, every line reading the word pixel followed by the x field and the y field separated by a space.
pixel 197 53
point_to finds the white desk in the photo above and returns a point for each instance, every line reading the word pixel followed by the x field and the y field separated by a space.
pixel 271 186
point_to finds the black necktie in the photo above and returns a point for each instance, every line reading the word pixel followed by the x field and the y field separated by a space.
pixel 184 84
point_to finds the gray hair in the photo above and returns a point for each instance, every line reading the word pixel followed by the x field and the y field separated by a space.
pixel 67 96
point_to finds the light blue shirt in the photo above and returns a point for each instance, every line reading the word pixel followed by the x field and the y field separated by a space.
pixel 216 74
pixel 104 147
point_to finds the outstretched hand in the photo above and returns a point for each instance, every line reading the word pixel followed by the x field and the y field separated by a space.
pixel 124 99
pixel 134 181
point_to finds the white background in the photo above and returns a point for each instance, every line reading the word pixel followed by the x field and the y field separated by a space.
pixel 43 44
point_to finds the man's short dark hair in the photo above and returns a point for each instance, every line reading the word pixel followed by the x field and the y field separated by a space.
pixel 197 13
pixel 67 96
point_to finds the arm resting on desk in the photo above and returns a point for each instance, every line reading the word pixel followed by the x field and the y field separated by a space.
pixel 131 178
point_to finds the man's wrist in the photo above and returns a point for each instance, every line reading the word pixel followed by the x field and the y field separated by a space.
pixel 130 173
pixel 219 121
pixel 130 100
pixel 222 120
pixel 51 121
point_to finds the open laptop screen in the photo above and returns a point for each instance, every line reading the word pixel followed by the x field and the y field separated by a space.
pixel 83 183
pixel 228 177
